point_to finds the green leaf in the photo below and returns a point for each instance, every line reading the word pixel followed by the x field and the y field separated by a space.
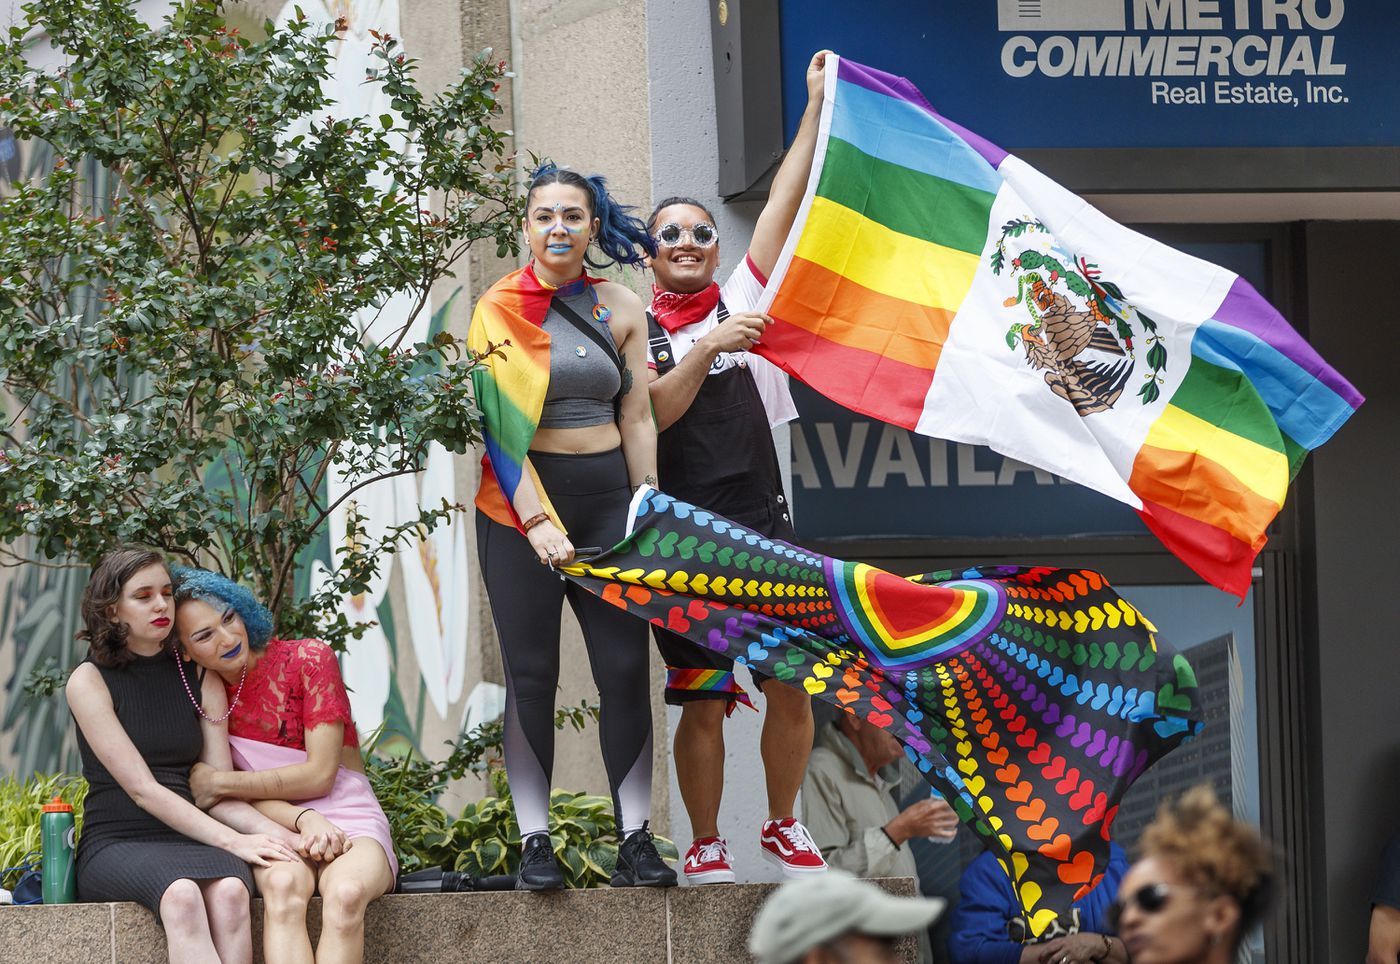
pixel 573 861
pixel 602 856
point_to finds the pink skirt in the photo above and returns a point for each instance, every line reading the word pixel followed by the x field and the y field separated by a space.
pixel 351 804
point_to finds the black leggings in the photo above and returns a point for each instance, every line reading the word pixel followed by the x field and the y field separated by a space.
pixel 591 494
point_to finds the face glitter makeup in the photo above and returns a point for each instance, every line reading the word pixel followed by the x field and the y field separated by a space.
pixel 570 217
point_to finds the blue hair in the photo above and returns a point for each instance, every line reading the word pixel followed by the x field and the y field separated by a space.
pixel 220 591
pixel 623 238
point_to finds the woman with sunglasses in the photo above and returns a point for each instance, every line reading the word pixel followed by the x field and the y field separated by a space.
pixel 1203 882
pixel 569 439
pixel 716 406
pixel 987 927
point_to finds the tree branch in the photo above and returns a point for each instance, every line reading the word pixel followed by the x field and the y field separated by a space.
pixel 325 514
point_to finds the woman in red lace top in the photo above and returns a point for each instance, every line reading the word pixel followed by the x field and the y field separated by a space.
pixel 298 761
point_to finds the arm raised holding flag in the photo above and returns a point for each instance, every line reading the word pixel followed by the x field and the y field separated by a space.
pixel 936 282
pixel 716 405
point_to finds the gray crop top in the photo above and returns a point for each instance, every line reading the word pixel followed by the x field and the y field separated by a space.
pixel 583 380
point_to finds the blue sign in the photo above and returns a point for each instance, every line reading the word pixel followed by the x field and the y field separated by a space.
pixel 1124 73
pixel 854 476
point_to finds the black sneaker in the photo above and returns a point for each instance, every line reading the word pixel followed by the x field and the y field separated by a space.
pixel 638 863
pixel 538 868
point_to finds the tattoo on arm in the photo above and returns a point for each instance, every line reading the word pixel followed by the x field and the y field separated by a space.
pixel 626 380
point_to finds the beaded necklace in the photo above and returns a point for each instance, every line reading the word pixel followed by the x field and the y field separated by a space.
pixel 199 709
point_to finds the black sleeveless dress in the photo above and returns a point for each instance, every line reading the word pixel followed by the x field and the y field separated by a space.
pixel 126 853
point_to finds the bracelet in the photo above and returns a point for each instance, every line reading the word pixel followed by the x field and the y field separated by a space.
pixel 534 520
pixel 296 824
pixel 1107 948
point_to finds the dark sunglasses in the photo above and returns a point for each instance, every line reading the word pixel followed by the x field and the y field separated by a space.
pixel 1149 899
pixel 702 235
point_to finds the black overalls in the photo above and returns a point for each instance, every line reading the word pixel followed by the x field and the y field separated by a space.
pixel 719 455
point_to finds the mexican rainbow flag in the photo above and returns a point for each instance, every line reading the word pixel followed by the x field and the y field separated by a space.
pixel 938 283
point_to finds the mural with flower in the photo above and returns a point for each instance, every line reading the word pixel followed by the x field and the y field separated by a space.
pixel 433 560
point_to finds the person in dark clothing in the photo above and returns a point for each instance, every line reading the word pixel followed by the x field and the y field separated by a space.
pixel 716 406
pixel 143 838
pixel 987 903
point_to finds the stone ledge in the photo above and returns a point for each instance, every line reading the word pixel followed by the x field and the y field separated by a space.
pixel 678 926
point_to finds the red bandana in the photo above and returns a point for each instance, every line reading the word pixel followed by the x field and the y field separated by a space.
pixel 674 310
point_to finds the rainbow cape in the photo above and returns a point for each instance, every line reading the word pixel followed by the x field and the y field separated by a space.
pixel 1030 698
pixel 510 384
pixel 935 282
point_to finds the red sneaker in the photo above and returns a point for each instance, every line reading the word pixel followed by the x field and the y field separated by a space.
pixel 707 862
pixel 787 844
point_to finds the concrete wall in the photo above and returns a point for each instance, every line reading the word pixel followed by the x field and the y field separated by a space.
pixel 1357 525
pixel 635 925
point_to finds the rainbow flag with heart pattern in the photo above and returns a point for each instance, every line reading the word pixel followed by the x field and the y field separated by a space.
pixel 1030 698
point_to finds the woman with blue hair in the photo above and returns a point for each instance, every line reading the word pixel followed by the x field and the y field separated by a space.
pixel 569 437
pixel 298 761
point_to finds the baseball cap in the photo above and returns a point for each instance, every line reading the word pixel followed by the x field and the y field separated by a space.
pixel 803 914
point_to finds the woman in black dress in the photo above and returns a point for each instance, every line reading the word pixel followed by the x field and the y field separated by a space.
pixel 143 838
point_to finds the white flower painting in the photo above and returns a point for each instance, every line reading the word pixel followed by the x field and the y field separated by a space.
pixel 433 569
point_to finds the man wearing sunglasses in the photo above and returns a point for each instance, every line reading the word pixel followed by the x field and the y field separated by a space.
pixel 716 406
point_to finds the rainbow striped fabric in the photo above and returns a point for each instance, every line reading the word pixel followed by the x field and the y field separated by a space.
pixel 708 681
pixel 1030 698
pixel 510 385
pixel 938 283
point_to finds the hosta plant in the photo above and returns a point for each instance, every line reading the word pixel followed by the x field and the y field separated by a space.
pixel 484 839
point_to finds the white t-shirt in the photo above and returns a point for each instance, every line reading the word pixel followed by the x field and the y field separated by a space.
pixel 740 292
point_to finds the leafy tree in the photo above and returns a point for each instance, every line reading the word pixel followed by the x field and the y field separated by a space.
pixel 179 287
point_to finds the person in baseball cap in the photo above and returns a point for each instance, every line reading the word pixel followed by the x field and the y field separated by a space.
pixel 836 917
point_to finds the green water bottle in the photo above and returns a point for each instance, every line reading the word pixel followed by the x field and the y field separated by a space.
pixel 56 836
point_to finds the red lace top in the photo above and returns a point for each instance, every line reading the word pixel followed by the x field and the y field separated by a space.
pixel 295 686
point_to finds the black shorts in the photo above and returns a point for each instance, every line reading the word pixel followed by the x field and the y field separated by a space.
pixel 694 672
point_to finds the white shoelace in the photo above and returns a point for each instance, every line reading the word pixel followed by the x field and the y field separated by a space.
pixel 798 836
pixel 712 852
